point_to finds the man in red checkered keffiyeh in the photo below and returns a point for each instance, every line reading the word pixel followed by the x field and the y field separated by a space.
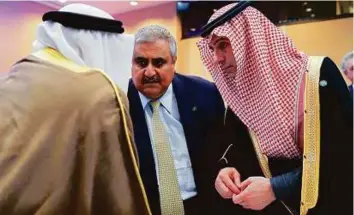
pixel 263 86
pixel 261 76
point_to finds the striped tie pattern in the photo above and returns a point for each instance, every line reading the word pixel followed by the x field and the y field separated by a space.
pixel 170 197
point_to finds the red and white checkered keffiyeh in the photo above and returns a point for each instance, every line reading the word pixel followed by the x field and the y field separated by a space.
pixel 263 92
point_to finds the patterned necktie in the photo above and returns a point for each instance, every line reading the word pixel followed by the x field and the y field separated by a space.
pixel 170 196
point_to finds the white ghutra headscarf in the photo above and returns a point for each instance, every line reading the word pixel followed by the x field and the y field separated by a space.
pixel 110 52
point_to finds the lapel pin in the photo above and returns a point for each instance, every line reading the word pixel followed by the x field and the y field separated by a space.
pixel 323 83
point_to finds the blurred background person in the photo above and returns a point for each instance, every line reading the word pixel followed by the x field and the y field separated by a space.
pixel 347 69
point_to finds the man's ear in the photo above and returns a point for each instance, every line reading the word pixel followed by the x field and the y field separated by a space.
pixel 174 60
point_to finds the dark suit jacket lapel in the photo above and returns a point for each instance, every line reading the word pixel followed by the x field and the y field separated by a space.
pixel 187 110
pixel 144 147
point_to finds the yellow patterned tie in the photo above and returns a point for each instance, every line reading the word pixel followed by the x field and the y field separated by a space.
pixel 170 196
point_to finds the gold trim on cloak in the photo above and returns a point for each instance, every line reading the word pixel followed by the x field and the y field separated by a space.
pixel 263 162
pixel 311 155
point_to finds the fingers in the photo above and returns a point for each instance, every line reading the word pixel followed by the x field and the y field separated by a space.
pixel 230 184
pixel 237 179
pixel 240 198
pixel 224 183
pixel 256 194
pixel 246 206
pixel 222 189
pixel 245 183
pixel 235 199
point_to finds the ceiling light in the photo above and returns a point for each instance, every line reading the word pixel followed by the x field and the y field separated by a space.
pixel 313 15
pixel 308 9
pixel 133 3
pixel 192 29
pixel 182 6
pixel 304 4
pixel 215 10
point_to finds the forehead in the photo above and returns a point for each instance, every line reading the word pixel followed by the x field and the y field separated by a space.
pixel 158 48
pixel 215 39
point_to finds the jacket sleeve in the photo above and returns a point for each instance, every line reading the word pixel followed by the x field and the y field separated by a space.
pixel 287 184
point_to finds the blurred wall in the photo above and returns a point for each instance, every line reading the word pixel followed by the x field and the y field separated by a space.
pixel 18 21
pixel 333 38
pixel 164 15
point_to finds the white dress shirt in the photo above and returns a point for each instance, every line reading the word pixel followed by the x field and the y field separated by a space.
pixel 171 119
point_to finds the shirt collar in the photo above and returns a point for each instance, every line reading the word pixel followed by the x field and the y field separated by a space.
pixel 166 99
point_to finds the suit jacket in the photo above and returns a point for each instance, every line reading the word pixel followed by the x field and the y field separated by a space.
pixel 351 91
pixel 63 147
pixel 199 104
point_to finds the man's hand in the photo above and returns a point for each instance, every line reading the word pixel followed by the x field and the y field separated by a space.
pixel 228 182
pixel 256 194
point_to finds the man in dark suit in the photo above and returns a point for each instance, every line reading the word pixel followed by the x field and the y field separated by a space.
pixel 347 66
pixel 171 115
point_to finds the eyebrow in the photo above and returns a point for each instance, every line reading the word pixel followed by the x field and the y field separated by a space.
pixel 137 57
pixel 157 58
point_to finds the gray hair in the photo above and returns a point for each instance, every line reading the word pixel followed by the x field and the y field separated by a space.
pixel 348 56
pixel 153 33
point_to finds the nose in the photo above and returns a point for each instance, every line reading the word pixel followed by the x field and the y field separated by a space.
pixel 150 71
pixel 219 57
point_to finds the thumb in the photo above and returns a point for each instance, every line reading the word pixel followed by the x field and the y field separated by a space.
pixel 237 199
pixel 237 179
pixel 245 183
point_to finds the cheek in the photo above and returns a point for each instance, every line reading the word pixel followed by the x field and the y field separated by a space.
pixel 137 77
pixel 166 76
pixel 230 56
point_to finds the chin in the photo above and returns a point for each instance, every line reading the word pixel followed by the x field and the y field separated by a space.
pixel 152 93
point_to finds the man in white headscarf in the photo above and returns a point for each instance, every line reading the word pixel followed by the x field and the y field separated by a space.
pixel 66 136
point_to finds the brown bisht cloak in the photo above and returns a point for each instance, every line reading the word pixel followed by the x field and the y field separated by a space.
pixel 66 142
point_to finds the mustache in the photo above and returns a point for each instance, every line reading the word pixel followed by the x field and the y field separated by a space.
pixel 151 80
pixel 226 67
